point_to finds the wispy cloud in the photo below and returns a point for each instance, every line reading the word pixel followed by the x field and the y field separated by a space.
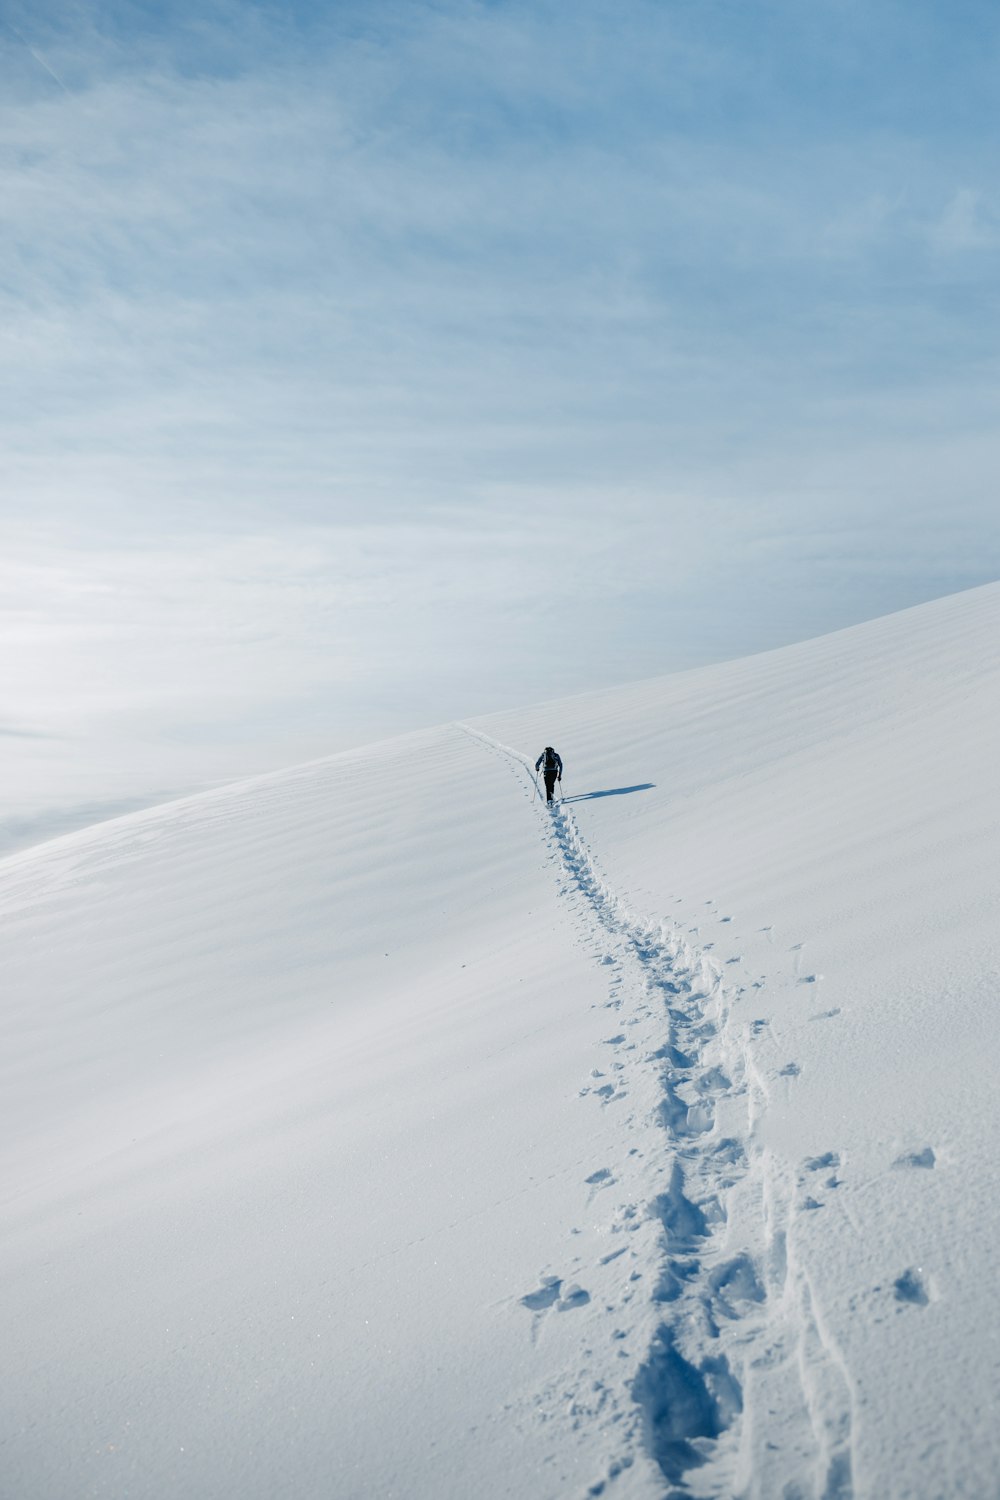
pixel 34 54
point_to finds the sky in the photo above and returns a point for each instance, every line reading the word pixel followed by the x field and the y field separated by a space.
pixel 370 365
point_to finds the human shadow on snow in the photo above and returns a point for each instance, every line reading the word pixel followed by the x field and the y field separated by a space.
pixel 617 791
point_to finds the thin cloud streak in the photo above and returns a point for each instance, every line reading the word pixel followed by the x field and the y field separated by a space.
pixel 38 58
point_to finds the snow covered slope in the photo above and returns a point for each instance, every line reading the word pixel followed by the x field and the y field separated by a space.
pixel 371 1131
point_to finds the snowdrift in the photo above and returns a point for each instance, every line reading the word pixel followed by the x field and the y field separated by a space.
pixel 371 1130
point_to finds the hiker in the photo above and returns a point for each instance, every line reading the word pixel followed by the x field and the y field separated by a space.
pixel 551 769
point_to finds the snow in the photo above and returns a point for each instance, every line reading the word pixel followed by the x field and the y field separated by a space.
pixel 372 1131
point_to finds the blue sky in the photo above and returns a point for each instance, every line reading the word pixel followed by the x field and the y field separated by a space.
pixel 368 365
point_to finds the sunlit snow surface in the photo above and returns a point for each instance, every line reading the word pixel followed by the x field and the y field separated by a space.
pixel 371 1130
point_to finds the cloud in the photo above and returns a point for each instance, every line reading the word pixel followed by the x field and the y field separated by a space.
pixel 968 222
pixel 367 364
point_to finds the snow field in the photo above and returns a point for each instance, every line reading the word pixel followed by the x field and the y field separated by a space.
pixel 372 1130
pixel 295 1126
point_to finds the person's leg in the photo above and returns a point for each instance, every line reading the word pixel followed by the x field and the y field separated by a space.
pixel 550 781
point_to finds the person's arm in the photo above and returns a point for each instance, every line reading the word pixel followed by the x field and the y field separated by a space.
pixel 559 759
pixel 539 760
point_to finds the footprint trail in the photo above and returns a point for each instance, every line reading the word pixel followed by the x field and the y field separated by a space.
pixel 729 1382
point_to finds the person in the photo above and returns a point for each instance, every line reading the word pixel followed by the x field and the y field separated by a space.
pixel 551 764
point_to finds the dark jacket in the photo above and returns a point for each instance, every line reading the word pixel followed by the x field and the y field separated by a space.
pixel 553 762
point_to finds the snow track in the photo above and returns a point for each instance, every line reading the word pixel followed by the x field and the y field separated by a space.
pixel 734 1387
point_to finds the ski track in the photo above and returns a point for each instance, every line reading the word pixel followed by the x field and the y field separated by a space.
pixel 740 1393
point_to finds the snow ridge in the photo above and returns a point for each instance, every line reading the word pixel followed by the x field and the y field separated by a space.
pixel 739 1390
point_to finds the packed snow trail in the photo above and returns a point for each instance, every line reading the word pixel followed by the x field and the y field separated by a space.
pixel 740 1390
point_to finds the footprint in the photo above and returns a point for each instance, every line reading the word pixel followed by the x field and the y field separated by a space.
pixel 573 1296
pixel 911 1287
pixel 924 1158
pixel 712 1081
pixel 545 1296
pixel 604 1175
pixel 683 1405
pixel 820 1163
pixel 826 1015
pixel 736 1281
pixel 790 1070
pixel 673 1055
pixel 730 1151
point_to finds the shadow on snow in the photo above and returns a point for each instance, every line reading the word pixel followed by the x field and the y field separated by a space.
pixel 617 791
